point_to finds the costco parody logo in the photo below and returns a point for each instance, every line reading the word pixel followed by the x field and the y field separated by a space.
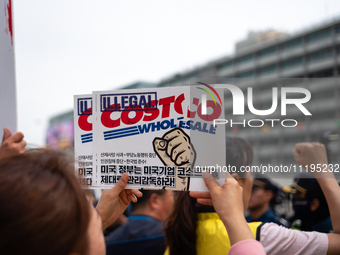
pixel 147 107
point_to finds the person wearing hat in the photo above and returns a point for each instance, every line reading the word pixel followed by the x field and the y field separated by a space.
pixel 311 211
pixel 260 203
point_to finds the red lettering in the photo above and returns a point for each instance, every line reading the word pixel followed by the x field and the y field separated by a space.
pixel 178 103
pixel 144 113
pixel 127 120
pixel 106 117
pixel 154 113
pixel 166 105
pixel 83 120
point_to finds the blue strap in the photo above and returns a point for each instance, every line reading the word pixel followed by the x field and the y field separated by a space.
pixel 135 240
pixel 141 217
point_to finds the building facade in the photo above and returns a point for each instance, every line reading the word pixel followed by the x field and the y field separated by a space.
pixel 308 59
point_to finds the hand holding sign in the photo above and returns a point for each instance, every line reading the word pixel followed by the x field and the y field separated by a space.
pixel 12 145
pixel 175 149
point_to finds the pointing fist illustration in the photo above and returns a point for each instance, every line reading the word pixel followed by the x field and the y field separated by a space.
pixel 175 149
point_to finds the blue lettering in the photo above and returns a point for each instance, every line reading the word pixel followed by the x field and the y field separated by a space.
pixel 142 101
pixel 212 129
pixel 149 101
pixel 124 101
pixel 181 124
pixel 116 102
pixel 165 124
pixel 133 101
pixel 173 125
pixel 204 129
pixel 189 124
pixel 197 126
pixel 156 126
pixel 145 128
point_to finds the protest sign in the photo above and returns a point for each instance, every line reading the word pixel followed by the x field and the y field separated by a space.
pixel 8 110
pixel 164 138
pixel 83 139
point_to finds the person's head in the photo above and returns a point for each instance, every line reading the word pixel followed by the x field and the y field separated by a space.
pixel 262 194
pixel 43 208
pixel 239 154
pixel 156 203
pixel 309 202
pixel 180 231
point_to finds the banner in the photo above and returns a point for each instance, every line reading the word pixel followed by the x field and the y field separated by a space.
pixel 8 109
pixel 164 138
pixel 83 139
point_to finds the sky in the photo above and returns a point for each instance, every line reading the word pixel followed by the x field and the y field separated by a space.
pixel 68 47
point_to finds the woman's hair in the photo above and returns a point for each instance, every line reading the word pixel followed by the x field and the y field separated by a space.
pixel 180 229
pixel 43 208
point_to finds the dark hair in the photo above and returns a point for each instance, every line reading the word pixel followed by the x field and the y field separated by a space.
pixel 43 208
pixel 239 152
pixel 180 229
pixel 142 201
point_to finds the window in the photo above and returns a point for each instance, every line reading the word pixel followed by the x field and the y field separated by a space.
pixel 292 82
pixel 225 65
pixel 327 94
pixel 268 70
pixel 290 63
pixel 247 74
pixel 245 59
pixel 268 86
pixel 320 55
pixel 267 52
pixel 324 115
pixel 322 34
pixel 321 74
pixel 292 44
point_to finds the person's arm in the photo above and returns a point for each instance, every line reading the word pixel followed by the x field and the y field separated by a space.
pixel 113 202
pixel 228 203
pixel 312 154
pixel 248 247
pixel 12 145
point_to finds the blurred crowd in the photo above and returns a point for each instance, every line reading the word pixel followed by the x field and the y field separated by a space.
pixel 45 210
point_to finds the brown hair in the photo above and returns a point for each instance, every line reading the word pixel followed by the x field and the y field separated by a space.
pixel 180 230
pixel 43 208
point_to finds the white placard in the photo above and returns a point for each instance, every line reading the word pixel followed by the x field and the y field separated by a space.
pixel 8 109
pixel 83 140
pixel 159 136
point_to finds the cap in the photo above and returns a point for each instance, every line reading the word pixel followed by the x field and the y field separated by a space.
pixel 305 183
pixel 265 183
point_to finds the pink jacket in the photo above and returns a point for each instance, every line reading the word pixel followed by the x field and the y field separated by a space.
pixel 247 247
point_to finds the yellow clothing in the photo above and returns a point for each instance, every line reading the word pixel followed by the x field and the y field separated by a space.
pixel 212 237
